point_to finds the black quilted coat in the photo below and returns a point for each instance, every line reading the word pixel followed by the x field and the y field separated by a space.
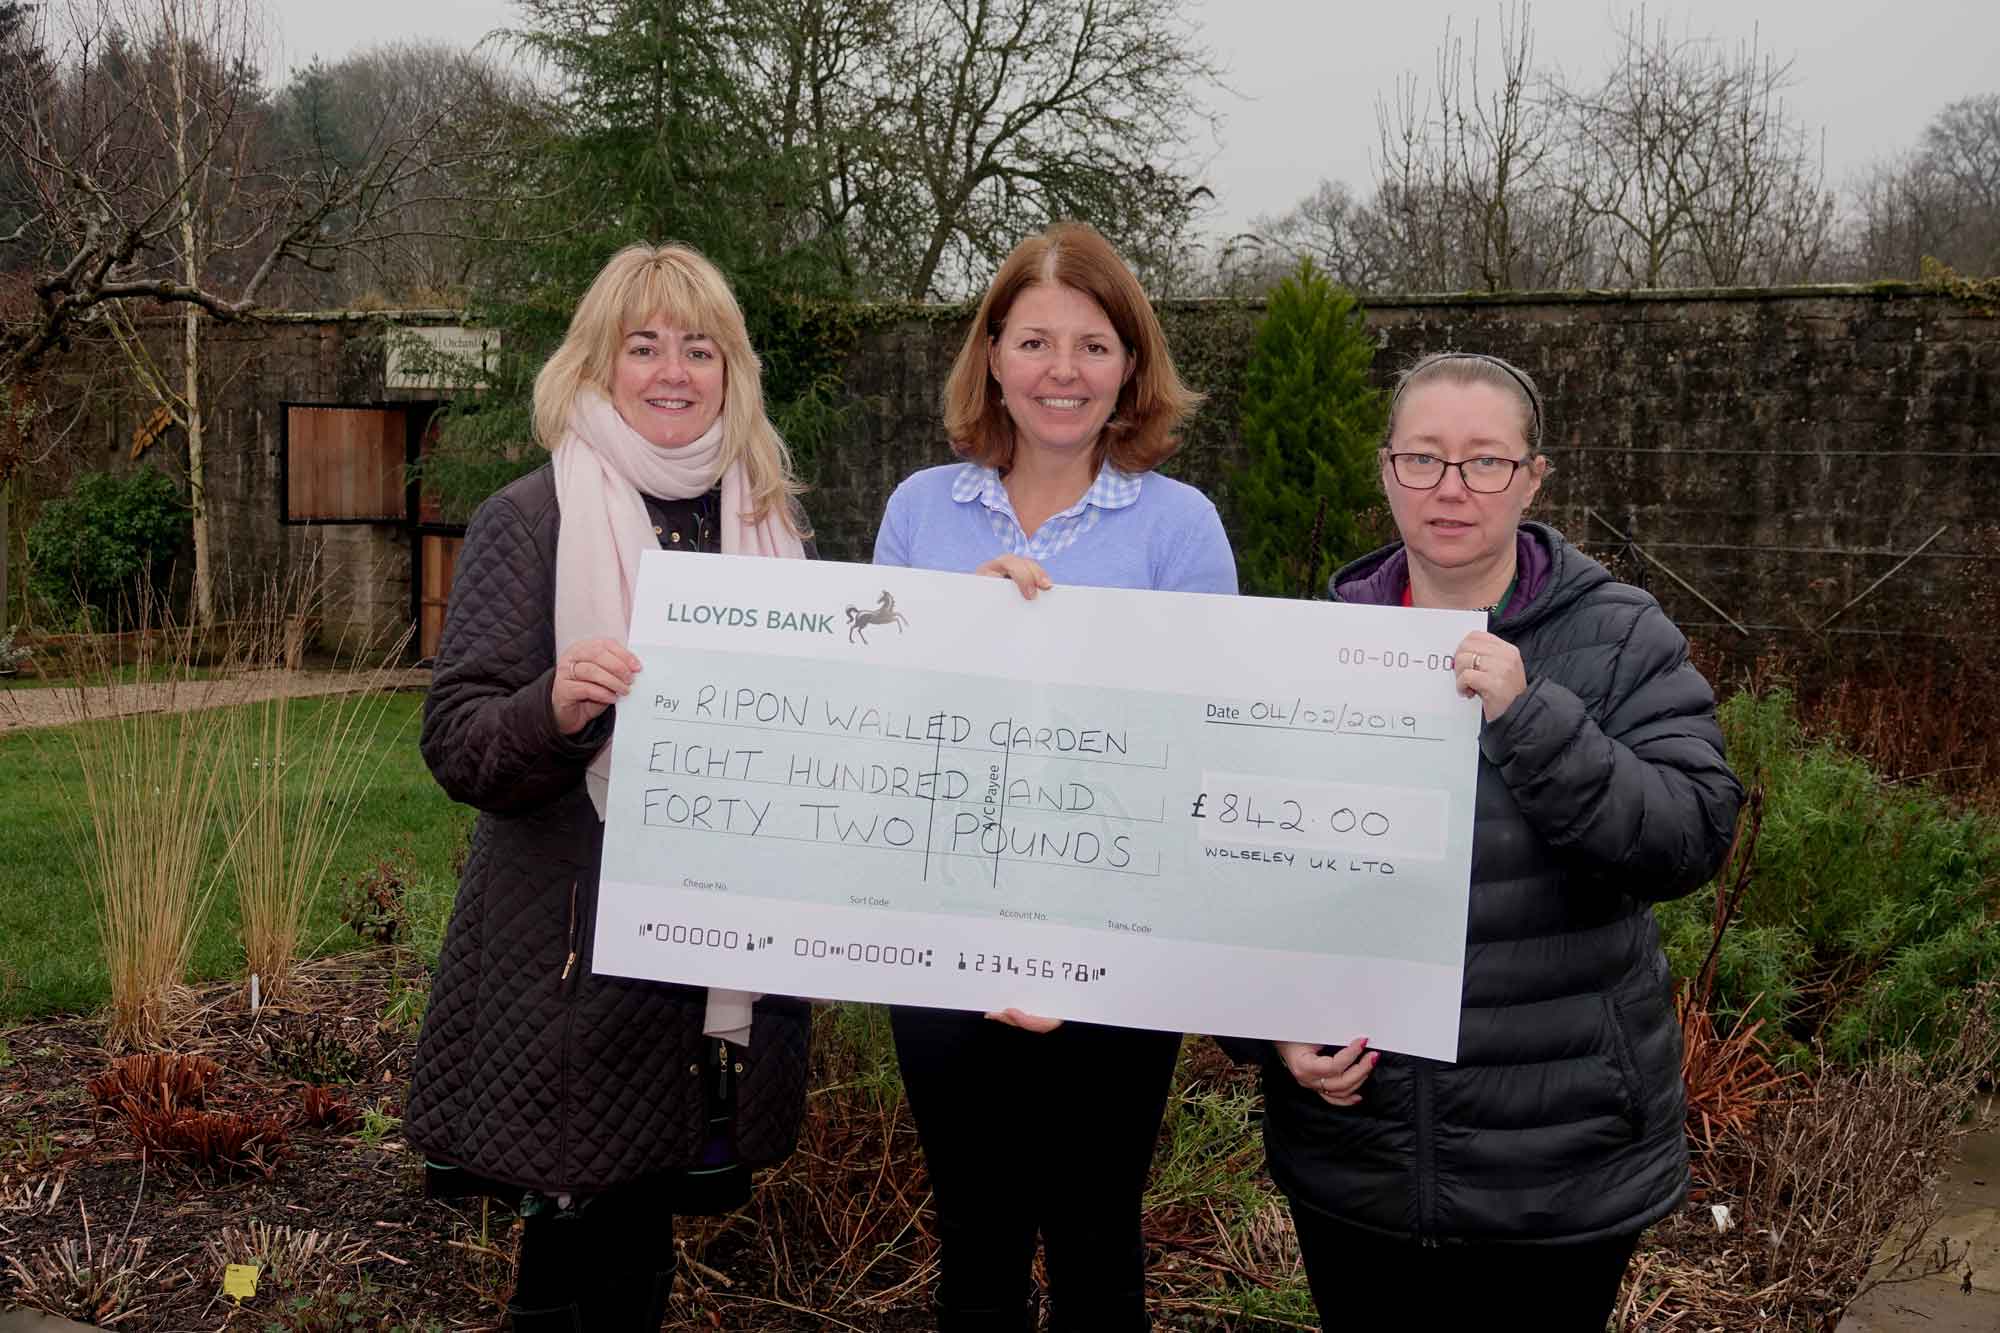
pixel 531 1070
pixel 1602 790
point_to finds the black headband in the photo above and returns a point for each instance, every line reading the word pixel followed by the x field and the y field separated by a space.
pixel 1527 389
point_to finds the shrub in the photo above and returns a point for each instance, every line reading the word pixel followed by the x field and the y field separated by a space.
pixel 1831 1190
pixel 112 536
pixel 375 905
pixel 310 1050
pixel 1311 422
pixel 1869 907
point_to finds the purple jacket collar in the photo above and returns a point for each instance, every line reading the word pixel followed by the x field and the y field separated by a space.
pixel 1383 584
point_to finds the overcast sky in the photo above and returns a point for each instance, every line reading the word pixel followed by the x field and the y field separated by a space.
pixel 1305 73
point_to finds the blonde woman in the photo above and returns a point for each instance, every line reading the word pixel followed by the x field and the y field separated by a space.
pixel 599 1106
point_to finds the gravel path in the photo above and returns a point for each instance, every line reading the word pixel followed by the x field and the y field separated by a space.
pixel 52 706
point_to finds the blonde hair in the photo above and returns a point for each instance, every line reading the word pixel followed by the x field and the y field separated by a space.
pixel 1152 402
pixel 676 283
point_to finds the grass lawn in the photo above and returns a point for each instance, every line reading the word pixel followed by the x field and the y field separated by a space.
pixel 49 957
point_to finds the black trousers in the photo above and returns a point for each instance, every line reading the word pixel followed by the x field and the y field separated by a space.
pixel 1360 1279
pixel 605 1265
pixel 1036 1132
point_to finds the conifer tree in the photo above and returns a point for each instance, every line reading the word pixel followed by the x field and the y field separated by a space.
pixel 1311 423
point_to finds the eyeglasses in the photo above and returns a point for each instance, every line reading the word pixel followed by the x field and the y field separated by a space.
pixel 1424 472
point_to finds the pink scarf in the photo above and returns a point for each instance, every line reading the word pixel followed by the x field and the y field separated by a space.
pixel 602 468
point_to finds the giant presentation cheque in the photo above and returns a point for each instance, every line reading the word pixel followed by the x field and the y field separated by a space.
pixel 1228 815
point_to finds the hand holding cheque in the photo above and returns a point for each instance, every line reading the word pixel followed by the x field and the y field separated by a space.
pixel 1176 811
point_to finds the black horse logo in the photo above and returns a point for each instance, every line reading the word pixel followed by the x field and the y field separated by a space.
pixel 885 612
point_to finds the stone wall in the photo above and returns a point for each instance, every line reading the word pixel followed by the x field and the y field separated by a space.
pixel 364 570
pixel 1758 458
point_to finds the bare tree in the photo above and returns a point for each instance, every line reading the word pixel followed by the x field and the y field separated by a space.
pixel 1763 213
pixel 154 183
pixel 407 238
pixel 1013 112
pixel 1940 201
pixel 1503 141
pixel 1464 170
pixel 818 68
pixel 1682 164
pixel 1964 143
pixel 1338 232
pixel 1414 201
pixel 1692 166
pixel 153 124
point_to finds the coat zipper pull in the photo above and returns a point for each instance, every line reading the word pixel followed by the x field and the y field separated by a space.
pixel 569 963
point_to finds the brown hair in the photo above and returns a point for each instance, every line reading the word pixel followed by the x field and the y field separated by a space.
pixel 1473 368
pixel 1152 403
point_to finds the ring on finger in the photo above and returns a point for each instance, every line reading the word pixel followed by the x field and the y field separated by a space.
pixel 1475 661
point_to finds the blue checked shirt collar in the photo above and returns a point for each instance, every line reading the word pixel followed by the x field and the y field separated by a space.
pixel 1112 489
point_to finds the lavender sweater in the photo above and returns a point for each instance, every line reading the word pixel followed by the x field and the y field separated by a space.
pixel 1143 531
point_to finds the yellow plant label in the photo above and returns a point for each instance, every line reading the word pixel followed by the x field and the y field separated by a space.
pixel 240 1281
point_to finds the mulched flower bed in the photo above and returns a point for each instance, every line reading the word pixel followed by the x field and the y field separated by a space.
pixel 95 1228
pixel 126 1186
pixel 73 1173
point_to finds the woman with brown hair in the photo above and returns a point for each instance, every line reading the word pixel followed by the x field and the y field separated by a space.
pixel 1061 403
pixel 600 1106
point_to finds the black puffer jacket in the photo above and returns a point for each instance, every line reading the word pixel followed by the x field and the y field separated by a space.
pixel 1602 790
pixel 531 1070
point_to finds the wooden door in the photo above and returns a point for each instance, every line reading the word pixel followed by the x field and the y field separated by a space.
pixel 438 557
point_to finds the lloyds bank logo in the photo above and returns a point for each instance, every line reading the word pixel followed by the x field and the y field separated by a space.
pixel 885 613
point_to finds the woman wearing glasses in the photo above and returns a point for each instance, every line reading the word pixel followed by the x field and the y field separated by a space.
pixel 1525 1170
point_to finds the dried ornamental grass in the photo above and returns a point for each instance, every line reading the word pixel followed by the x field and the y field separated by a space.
pixel 286 1256
pixel 97 1282
pixel 296 788
pixel 141 824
